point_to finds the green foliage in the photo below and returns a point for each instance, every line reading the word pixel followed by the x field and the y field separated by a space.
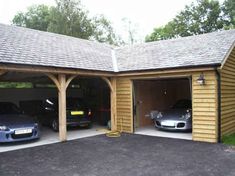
pixel 104 32
pixel 15 85
pixel 229 139
pixel 228 9
pixel 201 17
pixel 37 17
pixel 68 17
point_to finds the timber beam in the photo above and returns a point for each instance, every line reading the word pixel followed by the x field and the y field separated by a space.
pixel 62 84
pixel 112 85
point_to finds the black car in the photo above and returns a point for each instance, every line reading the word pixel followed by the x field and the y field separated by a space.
pixel 78 113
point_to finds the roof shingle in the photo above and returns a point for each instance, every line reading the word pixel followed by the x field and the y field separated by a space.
pixel 206 49
pixel 31 47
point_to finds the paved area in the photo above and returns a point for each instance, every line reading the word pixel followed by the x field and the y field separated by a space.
pixel 129 155
pixel 49 137
pixel 152 131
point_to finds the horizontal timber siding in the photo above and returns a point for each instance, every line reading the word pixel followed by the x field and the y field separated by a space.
pixel 204 99
pixel 228 95
pixel 205 114
pixel 124 105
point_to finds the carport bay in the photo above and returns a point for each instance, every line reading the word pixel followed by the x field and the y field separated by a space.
pixel 61 81
pixel 61 58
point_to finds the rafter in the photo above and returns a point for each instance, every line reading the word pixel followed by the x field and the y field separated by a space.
pixel 55 80
pixel 108 82
pixel 68 81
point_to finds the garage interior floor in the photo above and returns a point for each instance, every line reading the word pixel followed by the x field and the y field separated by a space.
pixel 152 131
pixel 50 137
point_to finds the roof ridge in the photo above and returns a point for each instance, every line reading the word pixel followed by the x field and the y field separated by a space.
pixel 114 61
pixel 174 39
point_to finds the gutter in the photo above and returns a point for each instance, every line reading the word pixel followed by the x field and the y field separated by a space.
pixel 219 105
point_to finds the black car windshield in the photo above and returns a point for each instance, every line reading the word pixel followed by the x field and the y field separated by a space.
pixel 183 104
pixel 71 103
pixel 9 108
pixel 76 103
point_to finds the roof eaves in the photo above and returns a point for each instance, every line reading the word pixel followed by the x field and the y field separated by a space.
pixel 214 65
pixel 227 55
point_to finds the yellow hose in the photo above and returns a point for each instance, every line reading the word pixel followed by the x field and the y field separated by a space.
pixel 113 134
pixel 109 133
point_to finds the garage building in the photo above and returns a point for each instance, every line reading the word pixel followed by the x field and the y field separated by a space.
pixel 197 67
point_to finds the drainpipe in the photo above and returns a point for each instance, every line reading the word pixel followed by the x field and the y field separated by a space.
pixel 219 104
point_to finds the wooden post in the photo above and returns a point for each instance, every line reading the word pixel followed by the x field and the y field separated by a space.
pixel 62 83
pixel 113 105
pixel 62 108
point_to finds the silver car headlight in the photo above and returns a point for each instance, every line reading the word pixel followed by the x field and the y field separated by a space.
pixel 36 125
pixel 188 116
pixel 3 128
pixel 159 115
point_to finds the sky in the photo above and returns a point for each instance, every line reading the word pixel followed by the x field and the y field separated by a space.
pixel 144 15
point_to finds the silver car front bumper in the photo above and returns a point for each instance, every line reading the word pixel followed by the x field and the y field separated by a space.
pixel 173 125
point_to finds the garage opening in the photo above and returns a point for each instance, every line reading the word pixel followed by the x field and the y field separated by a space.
pixel 163 107
pixel 36 96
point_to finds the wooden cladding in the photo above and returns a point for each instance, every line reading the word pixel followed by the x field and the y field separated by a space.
pixel 228 95
pixel 205 114
pixel 124 105
pixel 204 99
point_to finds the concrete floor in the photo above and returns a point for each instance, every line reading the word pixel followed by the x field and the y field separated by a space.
pixel 152 131
pixel 49 137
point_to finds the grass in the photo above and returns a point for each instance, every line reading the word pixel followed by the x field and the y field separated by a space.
pixel 229 139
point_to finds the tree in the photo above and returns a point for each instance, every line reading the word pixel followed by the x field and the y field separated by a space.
pixel 228 9
pixel 131 32
pixel 68 17
pixel 104 32
pixel 37 17
pixel 201 17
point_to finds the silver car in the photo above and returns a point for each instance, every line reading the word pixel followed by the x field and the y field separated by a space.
pixel 178 118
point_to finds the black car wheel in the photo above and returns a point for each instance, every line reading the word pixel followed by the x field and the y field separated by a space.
pixel 55 125
pixel 88 126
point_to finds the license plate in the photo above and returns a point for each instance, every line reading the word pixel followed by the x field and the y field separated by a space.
pixel 168 123
pixel 23 131
pixel 77 112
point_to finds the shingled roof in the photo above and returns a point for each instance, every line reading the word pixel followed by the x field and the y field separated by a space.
pixel 31 47
pixel 198 50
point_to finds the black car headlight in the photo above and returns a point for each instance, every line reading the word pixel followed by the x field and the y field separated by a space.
pixel 3 128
